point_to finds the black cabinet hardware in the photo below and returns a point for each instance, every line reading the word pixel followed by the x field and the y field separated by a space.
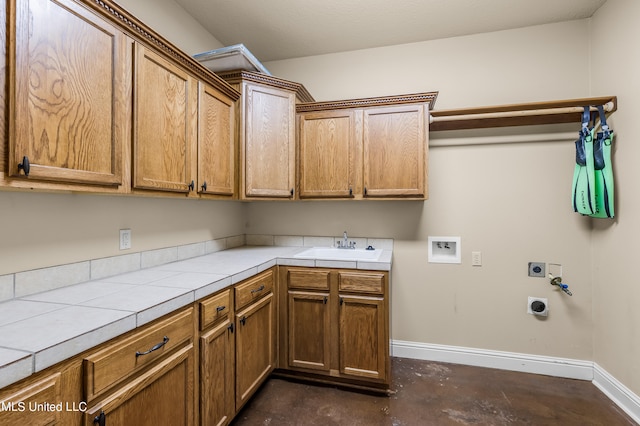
pixel 220 308
pixel 25 166
pixel 192 185
pixel 231 327
pixel 154 348
pixel 204 186
pixel 257 290
pixel 243 320
pixel 100 419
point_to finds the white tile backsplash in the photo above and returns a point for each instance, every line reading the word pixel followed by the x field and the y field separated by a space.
pixel 159 257
pixel 288 240
pixel 115 265
pixel 191 250
pixel 38 280
pixel 259 240
pixel 6 287
pixel 131 268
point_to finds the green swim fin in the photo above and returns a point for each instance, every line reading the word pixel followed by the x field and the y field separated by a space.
pixel 603 170
pixel 583 194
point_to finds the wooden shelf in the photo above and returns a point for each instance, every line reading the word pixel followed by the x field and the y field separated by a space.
pixel 527 114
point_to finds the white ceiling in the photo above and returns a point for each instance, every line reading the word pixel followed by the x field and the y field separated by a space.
pixel 282 29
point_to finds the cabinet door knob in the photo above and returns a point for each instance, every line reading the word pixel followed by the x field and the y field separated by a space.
pixel 243 320
pixel 350 192
pixel 25 166
pixel 100 419
pixel 231 327
pixel 291 192
pixel 325 300
pixel 365 190
pixel 204 186
pixel 192 185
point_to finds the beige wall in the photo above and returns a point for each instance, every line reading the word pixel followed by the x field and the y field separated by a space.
pixel 615 68
pixel 509 201
pixel 172 22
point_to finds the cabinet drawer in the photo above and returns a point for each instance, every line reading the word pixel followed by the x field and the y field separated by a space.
pixel 123 357
pixel 254 288
pixel 361 282
pixel 215 308
pixel 309 279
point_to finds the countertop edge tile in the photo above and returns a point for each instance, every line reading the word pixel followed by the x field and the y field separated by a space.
pixel 78 344
pixel 17 367
pixel 166 307
pixel 212 288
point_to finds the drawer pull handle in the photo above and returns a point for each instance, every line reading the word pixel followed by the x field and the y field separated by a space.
pixel 257 290
pixel 220 308
pixel 155 348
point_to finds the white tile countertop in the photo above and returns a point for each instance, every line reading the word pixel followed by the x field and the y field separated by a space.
pixel 42 329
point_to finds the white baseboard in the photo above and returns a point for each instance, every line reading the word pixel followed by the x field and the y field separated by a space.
pixel 617 392
pixel 557 367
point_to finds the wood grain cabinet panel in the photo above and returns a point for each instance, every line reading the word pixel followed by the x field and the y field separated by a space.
pixel 329 154
pixel 269 141
pixel 255 347
pixel 395 144
pixel 163 394
pixel 21 407
pixel 363 342
pixel 216 143
pixel 309 334
pixel 165 115
pixel 217 358
pixel 68 78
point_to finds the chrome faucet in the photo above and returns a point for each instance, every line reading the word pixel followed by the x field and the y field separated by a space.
pixel 345 243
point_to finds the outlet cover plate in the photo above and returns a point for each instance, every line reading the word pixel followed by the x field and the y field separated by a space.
pixel 537 269
pixel 125 239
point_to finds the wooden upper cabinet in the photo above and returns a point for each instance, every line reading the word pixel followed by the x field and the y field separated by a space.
pixel 364 148
pixel 395 151
pixel 67 84
pixel 266 134
pixel 269 142
pixel 329 154
pixel 165 124
pixel 216 143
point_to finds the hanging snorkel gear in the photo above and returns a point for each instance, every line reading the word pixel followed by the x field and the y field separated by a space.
pixel 583 194
pixel 603 169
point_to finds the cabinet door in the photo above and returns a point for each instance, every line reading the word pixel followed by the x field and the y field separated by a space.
pixel 395 149
pixel 67 111
pixel 269 142
pixel 309 330
pixel 217 351
pixel 21 407
pixel 216 146
pixel 164 123
pixel 330 152
pixel 363 337
pixel 162 395
pixel 255 347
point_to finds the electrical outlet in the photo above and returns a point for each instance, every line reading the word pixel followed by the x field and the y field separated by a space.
pixel 536 269
pixel 476 258
pixel 125 239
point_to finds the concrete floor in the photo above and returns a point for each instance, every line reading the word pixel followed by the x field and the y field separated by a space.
pixel 431 393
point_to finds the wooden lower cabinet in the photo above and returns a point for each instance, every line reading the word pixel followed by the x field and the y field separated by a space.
pixel 163 394
pixel 217 360
pixel 335 326
pixel 255 347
